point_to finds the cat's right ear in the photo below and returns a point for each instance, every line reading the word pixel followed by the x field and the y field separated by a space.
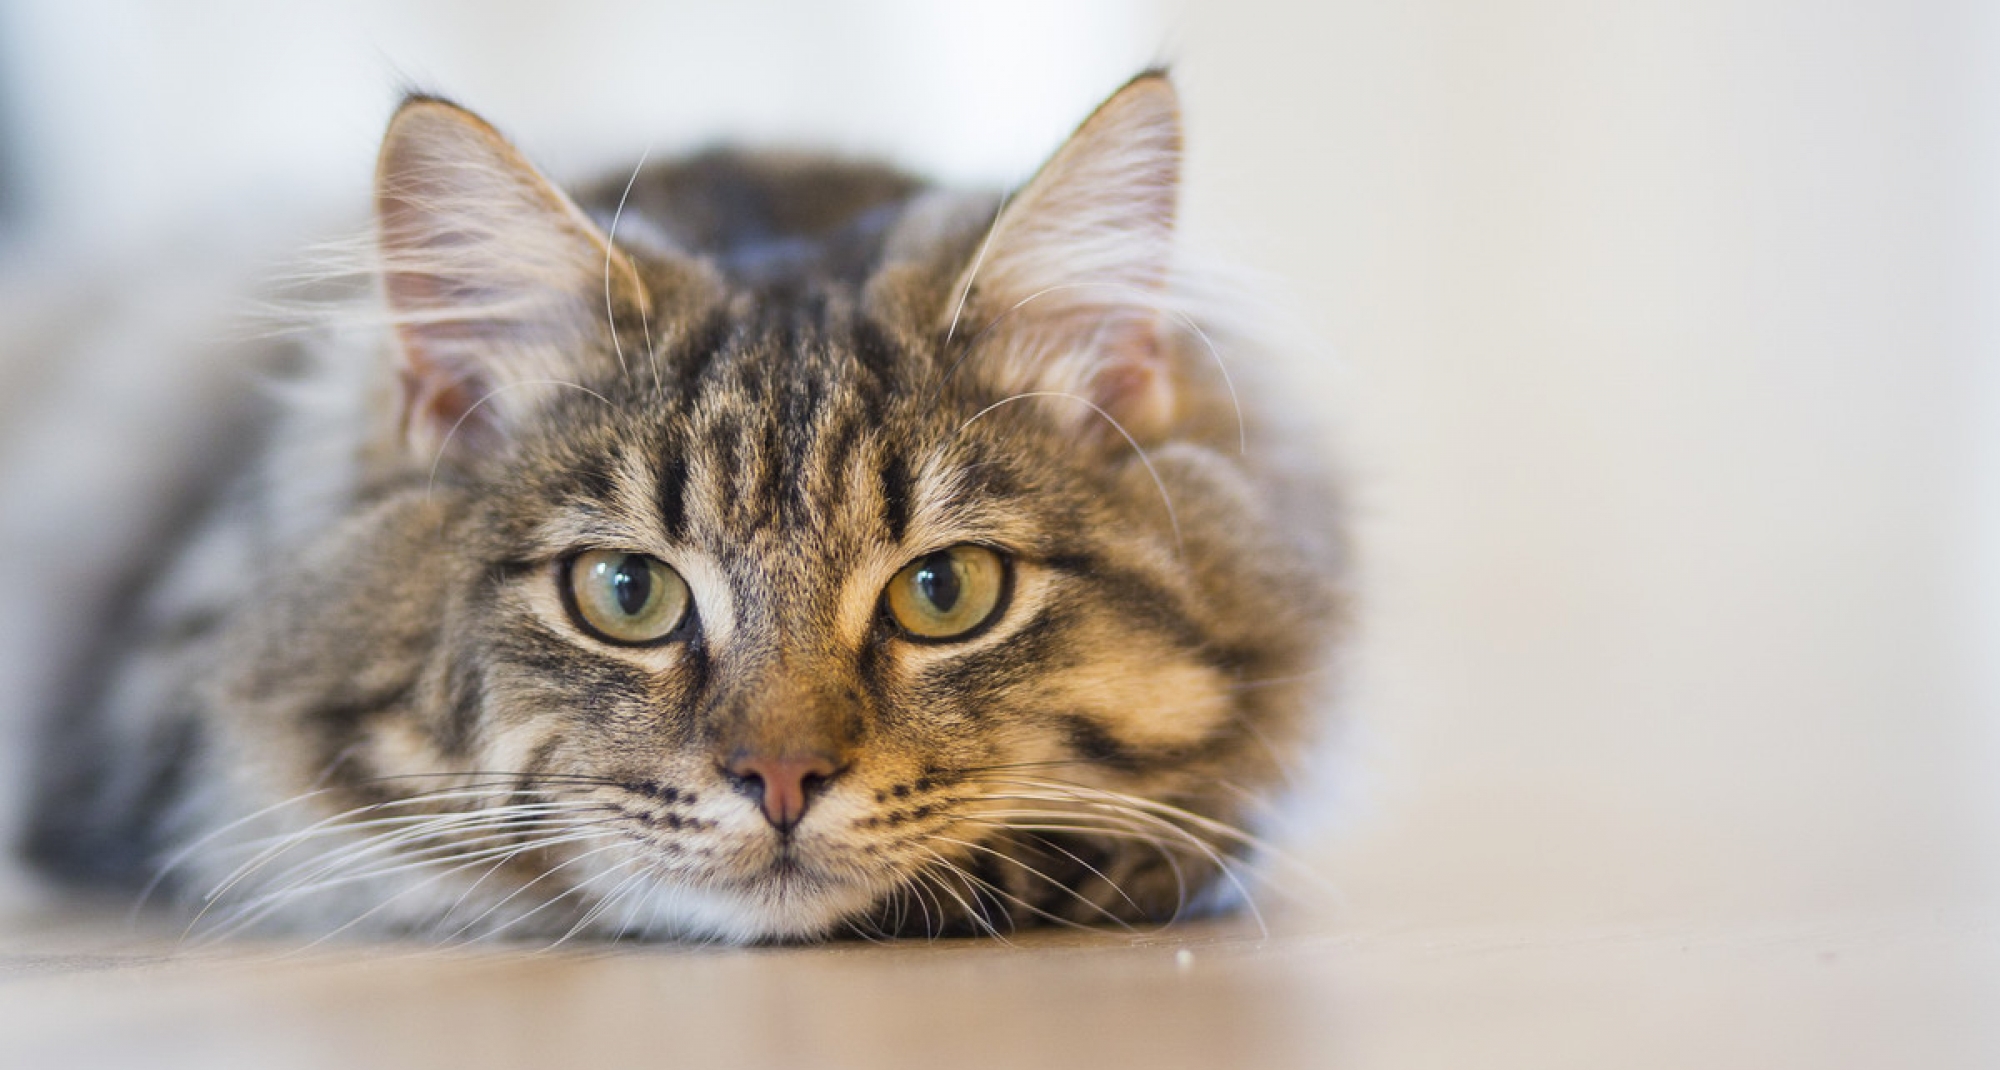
pixel 1068 297
pixel 496 282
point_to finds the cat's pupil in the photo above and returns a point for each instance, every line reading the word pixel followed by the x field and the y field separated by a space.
pixel 939 582
pixel 632 585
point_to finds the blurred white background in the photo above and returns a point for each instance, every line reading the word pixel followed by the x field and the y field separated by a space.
pixel 135 116
pixel 1662 339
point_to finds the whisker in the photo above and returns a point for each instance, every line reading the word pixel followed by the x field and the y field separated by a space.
pixel 975 884
pixel 972 914
pixel 434 878
pixel 338 822
pixel 393 842
pixel 1145 299
pixel 496 814
pixel 924 899
pixel 1045 843
pixel 1130 807
pixel 178 858
pixel 256 909
pixel 972 276
pixel 605 902
pixel 430 485
pixel 503 778
pixel 1003 767
pixel 626 924
pixel 623 841
pixel 611 251
pixel 284 844
pixel 1051 881
pixel 1173 518
pixel 1084 792
pixel 495 867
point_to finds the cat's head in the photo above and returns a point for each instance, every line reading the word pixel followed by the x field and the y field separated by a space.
pixel 909 574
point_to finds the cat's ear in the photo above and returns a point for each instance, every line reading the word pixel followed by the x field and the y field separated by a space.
pixel 498 285
pixel 1067 294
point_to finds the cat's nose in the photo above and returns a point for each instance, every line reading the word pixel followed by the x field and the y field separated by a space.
pixel 782 786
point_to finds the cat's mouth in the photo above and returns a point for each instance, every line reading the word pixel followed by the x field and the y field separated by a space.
pixel 727 876
pixel 787 865
pixel 788 897
pixel 759 862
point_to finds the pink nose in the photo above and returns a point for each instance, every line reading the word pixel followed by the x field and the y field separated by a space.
pixel 783 786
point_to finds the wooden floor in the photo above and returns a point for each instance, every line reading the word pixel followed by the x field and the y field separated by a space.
pixel 1895 989
pixel 1666 372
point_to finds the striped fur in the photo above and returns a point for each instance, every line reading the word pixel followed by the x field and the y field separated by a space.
pixel 359 702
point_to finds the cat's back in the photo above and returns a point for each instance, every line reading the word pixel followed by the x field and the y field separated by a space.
pixel 767 218
pixel 131 398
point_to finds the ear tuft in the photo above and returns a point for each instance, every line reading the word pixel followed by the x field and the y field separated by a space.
pixel 496 282
pixel 1068 294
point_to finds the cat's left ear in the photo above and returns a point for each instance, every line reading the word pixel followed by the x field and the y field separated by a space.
pixel 1068 292
pixel 499 287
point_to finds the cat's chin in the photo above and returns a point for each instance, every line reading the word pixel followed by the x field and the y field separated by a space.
pixel 773 911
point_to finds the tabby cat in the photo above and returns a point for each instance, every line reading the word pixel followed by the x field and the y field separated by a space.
pixel 764 548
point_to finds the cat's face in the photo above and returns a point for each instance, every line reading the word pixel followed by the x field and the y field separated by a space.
pixel 888 601
pixel 803 564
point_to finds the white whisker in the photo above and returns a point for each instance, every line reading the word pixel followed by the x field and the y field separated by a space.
pixel 253 910
pixel 978 261
pixel 605 902
pixel 611 252
pixel 338 822
pixel 972 914
pixel 1173 518
pixel 623 841
pixel 1051 881
pixel 430 485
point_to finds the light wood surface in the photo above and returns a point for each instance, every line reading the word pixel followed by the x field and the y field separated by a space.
pixel 1875 991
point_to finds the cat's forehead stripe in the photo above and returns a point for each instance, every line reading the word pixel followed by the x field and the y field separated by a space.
pixel 895 489
pixel 690 360
pixel 670 494
pixel 782 405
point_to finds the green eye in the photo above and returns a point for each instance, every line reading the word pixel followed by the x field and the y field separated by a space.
pixel 948 594
pixel 626 598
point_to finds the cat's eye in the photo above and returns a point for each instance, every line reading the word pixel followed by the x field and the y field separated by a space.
pixel 950 594
pixel 627 598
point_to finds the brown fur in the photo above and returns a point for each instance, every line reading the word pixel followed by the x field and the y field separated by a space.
pixel 787 378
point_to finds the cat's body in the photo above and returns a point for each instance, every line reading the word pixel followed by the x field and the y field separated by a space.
pixel 774 548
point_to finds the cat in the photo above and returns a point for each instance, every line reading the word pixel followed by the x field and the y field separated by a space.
pixel 757 547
